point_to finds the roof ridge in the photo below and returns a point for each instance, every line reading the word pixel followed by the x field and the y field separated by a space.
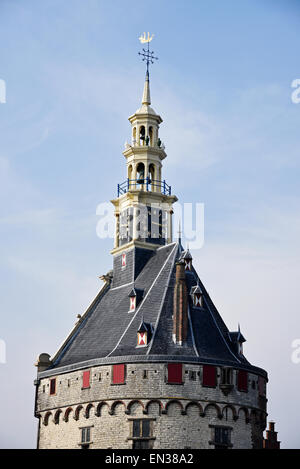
pixel 163 297
pixel 192 331
pixel 217 316
pixel 76 329
pixel 167 245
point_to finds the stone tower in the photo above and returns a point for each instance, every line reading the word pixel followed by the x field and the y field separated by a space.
pixel 150 364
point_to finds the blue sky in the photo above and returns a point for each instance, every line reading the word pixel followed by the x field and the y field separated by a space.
pixel 223 87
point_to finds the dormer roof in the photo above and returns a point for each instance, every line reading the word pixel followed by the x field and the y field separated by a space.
pixel 186 255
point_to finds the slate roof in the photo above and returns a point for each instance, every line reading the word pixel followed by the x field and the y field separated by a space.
pixel 107 333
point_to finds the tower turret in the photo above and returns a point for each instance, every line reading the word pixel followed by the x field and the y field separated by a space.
pixel 143 207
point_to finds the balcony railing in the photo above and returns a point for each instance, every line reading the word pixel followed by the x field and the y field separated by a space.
pixel 146 184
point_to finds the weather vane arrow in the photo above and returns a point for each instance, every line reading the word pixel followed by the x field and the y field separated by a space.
pixel 147 55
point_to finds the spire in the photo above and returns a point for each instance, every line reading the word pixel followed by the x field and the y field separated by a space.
pixel 146 94
pixel 149 58
pixel 179 232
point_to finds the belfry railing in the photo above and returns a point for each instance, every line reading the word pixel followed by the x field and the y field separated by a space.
pixel 146 184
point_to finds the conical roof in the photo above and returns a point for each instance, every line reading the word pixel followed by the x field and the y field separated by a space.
pixel 107 333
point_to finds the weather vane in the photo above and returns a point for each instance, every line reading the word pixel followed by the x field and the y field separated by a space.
pixel 147 54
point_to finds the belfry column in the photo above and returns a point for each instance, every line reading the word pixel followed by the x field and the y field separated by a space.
pixel 170 226
pixel 134 229
pixel 134 175
pixel 117 230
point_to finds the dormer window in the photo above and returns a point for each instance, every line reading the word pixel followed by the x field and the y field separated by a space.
pixel 237 340
pixel 135 297
pixel 144 334
pixel 142 339
pixel 187 257
pixel 132 300
pixel 197 296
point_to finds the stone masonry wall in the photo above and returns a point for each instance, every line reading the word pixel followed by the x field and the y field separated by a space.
pixel 181 415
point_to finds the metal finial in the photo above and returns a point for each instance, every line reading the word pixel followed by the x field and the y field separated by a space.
pixel 147 55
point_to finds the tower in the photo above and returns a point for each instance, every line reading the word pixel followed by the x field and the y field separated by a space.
pixel 143 207
pixel 151 363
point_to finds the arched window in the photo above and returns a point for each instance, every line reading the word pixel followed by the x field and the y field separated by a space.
pixel 130 176
pixel 140 173
pixel 152 174
pixel 151 136
pixel 142 135
pixel 134 136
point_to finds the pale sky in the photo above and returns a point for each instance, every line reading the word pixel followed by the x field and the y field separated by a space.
pixel 222 84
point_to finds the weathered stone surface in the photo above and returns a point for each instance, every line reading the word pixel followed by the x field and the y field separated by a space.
pixel 183 414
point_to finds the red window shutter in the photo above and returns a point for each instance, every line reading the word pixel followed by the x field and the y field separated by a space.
pixel 86 379
pixel 261 386
pixel 118 374
pixel 242 380
pixel 175 373
pixel 53 386
pixel 132 303
pixel 209 376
